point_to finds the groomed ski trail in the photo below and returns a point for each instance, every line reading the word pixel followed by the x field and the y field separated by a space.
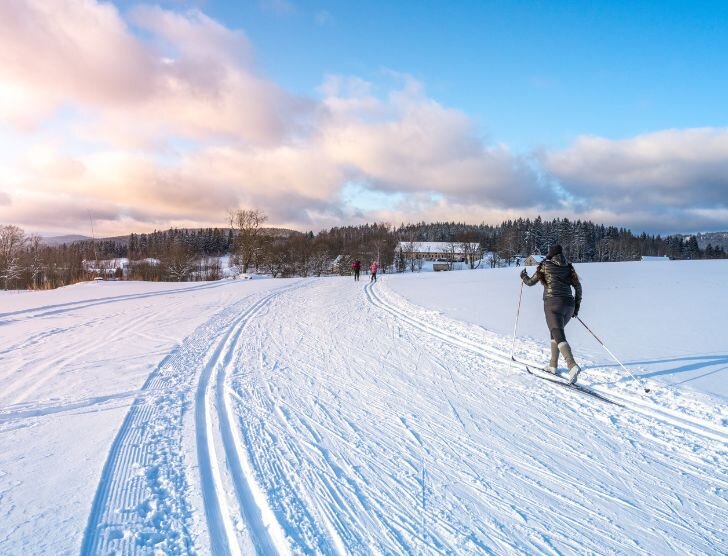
pixel 365 436
pixel 142 502
pixel 337 419
pixel 214 427
pixel 694 417
pixel 58 308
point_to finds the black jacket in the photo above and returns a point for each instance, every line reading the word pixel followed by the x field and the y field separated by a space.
pixel 557 276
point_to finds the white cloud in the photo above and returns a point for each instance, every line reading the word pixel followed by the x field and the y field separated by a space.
pixel 194 77
pixel 685 168
pixel 168 121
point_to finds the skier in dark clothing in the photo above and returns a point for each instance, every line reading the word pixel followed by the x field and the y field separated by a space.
pixel 558 277
pixel 356 267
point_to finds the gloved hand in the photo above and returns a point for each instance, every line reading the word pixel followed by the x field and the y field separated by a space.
pixel 576 311
pixel 524 274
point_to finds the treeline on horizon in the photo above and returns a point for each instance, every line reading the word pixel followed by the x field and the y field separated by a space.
pixel 185 254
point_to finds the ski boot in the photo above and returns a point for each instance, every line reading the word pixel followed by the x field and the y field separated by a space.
pixel 574 369
pixel 554 363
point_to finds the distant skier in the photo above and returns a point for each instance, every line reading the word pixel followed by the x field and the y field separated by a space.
pixel 373 269
pixel 356 267
pixel 558 277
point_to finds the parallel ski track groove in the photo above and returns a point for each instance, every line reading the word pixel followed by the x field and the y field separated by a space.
pixel 224 537
pixel 82 304
pixel 685 422
pixel 140 503
pixel 296 434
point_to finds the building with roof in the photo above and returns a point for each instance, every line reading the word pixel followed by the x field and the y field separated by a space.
pixel 438 250
pixel 533 260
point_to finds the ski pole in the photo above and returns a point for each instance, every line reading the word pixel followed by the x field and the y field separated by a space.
pixel 515 325
pixel 647 390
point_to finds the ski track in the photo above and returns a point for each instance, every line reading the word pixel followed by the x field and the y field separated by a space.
pixel 33 378
pixel 398 443
pixel 141 504
pixel 457 334
pixel 323 417
pixel 59 308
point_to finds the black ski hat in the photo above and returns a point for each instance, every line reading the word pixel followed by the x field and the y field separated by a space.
pixel 555 250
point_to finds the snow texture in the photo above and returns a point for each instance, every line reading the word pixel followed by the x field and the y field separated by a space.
pixel 327 416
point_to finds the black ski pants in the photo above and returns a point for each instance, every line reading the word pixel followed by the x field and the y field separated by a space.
pixel 558 311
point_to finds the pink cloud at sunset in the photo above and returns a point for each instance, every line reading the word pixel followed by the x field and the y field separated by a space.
pixel 155 117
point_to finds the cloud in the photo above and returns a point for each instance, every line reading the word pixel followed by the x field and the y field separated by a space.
pixel 671 169
pixel 409 143
pixel 193 78
pixel 161 117
pixel 72 49
pixel 189 127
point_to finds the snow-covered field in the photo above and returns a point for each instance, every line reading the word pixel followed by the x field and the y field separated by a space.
pixel 665 321
pixel 326 416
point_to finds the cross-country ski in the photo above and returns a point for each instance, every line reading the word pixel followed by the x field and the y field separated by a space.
pixel 563 381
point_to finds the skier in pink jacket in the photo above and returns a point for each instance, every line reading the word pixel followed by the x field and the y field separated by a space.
pixel 373 269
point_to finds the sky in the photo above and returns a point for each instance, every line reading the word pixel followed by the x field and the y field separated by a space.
pixel 128 116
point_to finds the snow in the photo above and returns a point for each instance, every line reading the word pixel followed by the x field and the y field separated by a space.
pixel 327 416
pixel 665 323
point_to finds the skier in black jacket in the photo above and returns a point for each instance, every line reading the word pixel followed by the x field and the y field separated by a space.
pixel 558 277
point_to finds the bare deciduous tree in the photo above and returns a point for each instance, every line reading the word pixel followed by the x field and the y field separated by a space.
pixel 472 252
pixel 12 240
pixel 320 260
pixel 36 265
pixel 179 262
pixel 248 223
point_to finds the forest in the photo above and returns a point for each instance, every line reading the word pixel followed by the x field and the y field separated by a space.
pixel 26 262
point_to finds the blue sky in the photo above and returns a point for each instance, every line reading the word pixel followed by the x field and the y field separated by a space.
pixel 531 73
pixel 170 112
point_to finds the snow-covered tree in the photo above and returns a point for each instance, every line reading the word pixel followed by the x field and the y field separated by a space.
pixel 36 265
pixel 12 240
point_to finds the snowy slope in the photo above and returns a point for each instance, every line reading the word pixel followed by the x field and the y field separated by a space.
pixel 72 361
pixel 324 416
pixel 663 321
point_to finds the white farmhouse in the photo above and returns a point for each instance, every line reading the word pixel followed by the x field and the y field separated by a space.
pixel 439 250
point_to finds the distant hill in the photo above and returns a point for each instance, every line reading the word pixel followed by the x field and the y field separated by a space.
pixel 275 232
pixel 58 240
pixel 281 232
pixel 716 239
pixel 73 238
